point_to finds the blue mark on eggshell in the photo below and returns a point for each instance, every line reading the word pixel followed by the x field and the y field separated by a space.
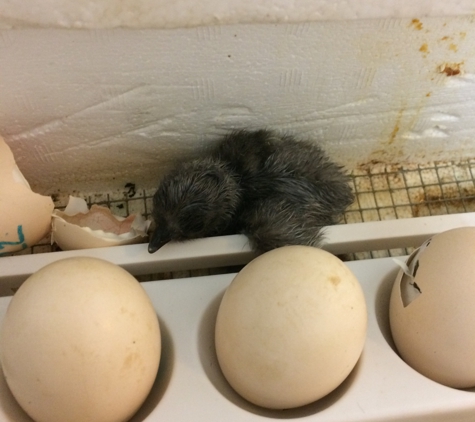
pixel 21 241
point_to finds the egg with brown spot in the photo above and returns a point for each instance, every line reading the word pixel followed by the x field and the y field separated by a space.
pixel 80 342
pixel 290 327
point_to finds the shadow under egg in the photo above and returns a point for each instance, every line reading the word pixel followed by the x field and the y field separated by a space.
pixel 162 380
pixel 381 306
pixel 10 407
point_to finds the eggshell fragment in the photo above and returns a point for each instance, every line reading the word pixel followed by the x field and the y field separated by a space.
pixel 77 227
pixel 80 341
pixel 291 327
pixel 25 216
pixel 432 309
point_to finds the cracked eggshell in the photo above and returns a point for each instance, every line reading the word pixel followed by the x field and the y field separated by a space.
pixel 78 227
pixel 25 216
pixel 290 327
pixel 432 309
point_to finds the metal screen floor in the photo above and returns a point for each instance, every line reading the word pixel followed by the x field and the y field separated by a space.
pixel 383 192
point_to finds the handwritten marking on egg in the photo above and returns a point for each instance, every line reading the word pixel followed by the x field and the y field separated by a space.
pixel 25 216
pixel 20 242
pixel 80 341
pixel 291 327
pixel 432 309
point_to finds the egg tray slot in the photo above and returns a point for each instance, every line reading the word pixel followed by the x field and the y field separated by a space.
pixel 190 385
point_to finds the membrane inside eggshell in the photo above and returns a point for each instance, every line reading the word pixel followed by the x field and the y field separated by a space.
pixel 101 218
pixel 408 288
pixel 78 227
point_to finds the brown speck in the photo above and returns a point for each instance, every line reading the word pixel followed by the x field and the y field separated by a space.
pixel 424 48
pixel 371 164
pixel 394 133
pixel 453 47
pixel 417 24
pixel 396 128
pixel 436 202
pixel 131 189
pixel 130 360
pixel 451 69
pixel 428 94
pixel 335 280
pixel 445 38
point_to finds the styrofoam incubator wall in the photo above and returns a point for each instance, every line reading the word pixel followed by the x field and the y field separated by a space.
pixel 97 94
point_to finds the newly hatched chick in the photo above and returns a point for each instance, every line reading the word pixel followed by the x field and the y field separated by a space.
pixel 275 189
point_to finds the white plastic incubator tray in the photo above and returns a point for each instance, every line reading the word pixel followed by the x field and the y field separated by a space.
pixel 189 384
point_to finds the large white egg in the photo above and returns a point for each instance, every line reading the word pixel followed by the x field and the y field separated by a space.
pixel 25 216
pixel 432 309
pixel 80 342
pixel 290 328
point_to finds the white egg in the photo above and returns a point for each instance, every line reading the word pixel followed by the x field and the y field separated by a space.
pixel 25 216
pixel 432 309
pixel 291 327
pixel 80 342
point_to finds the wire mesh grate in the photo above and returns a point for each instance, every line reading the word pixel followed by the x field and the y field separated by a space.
pixel 387 192
pixel 382 192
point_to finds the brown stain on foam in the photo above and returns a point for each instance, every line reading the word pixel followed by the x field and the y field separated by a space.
pixel 416 24
pixel 424 48
pixel 435 202
pixel 451 40
pixel 451 69
pixel 392 149
pixel 446 40
pixel 370 165
pixel 396 128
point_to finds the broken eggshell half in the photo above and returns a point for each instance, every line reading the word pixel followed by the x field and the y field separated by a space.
pixel 78 227
pixel 432 309
pixel 25 215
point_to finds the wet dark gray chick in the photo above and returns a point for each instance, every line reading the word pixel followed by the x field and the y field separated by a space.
pixel 196 199
pixel 275 189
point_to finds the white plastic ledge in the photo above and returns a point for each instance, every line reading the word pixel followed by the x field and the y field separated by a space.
pixel 235 250
pixel 189 13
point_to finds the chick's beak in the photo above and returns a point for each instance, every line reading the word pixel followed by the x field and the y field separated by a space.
pixel 157 239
